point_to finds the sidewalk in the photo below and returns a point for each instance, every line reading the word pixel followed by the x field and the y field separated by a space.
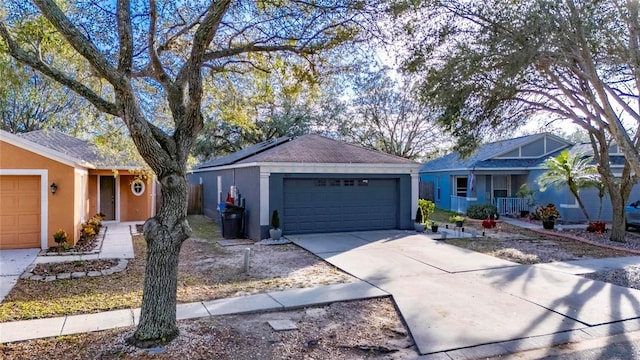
pixel 271 301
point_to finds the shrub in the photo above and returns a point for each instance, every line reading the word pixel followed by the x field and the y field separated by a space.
pixel 547 213
pixel 427 207
pixel 419 216
pixel 489 223
pixel 60 237
pixel 597 226
pixel 484 211
pixel 456 218
pixel 275 220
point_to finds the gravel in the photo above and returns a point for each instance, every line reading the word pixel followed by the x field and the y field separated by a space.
pixel 627 277
pixel 632 240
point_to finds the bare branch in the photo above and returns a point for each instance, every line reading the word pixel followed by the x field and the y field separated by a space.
pixel 22 56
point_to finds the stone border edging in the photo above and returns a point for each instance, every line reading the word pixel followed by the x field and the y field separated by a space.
pixel 578 238
pixel 96 249
pixel 28 275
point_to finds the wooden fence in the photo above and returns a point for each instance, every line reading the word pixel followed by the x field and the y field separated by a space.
pixel 195 199
pixel 426 190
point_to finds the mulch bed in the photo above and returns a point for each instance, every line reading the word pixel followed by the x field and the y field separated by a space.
pixel 73 266
pixel 83 245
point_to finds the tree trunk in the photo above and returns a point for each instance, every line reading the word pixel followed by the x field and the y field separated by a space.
pixel 164 235
pixel 618 230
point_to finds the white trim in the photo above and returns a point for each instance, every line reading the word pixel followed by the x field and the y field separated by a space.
pixel 138 181
pixel 219 188
pixel 415 194
pixel 116 194
pixel 43 150
pixel 323 168
pixel 575 205
pixel 264 198
pixel 472 199
pixel 118 198
pixel 44 198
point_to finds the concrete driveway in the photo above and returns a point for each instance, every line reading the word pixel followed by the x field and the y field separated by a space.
pixel 12 264
pixel 455 300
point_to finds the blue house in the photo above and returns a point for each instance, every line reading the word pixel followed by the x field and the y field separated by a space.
pixel 495 172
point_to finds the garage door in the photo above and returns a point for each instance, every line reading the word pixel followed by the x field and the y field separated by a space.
pixel 330 205
pixel 19 212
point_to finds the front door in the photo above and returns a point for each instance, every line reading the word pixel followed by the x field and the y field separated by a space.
pixel 108 197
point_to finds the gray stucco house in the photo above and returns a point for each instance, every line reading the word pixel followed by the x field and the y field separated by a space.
pixel 317 185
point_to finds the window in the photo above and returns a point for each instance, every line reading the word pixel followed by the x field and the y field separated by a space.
pixel 334 182
pixel 363 182
pixel 500 185
pixel 321 182
pixel 461 186
pixel 137 187
pixel 349 182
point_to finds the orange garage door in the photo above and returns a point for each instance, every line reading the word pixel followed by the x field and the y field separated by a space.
pixel 19 212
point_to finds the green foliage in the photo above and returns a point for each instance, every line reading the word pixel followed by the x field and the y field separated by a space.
pixel 419 219
pixel 275 220
pixel 482 211
pixel 457 218
pixel 576 172
pixel 426 207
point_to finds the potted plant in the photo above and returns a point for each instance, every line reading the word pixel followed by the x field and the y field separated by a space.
pixel 457 219
pixel 548 214
pixel 434 226
pixel 419 223
pixel 275 232
pixel 525 192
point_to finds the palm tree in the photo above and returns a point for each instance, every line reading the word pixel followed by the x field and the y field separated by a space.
pixel 576 172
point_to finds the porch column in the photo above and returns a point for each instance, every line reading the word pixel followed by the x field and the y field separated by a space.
pixel 264 198
pixel 415 193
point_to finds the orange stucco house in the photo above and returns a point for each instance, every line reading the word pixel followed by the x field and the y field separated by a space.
pixel 51 181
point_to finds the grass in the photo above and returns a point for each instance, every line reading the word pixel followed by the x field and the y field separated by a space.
pixel 207 271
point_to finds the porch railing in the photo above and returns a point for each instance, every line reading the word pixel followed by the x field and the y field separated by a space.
pixel 511 205
pixel 460 204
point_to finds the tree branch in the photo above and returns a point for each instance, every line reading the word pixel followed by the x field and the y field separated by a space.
pixel 79 42
pixel 80 89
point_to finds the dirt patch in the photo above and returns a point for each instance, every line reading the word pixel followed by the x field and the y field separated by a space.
pixel 73 266
pixel 348 330
pixel 207 271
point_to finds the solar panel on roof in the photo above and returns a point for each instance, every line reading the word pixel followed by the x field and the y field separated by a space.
pixel 244 153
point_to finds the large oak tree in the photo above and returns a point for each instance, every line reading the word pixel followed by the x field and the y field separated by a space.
pixel 492 64
pixel 150 55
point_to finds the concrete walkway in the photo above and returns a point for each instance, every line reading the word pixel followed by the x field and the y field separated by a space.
pixel 271 301
pixel 461 304
pixel 115 245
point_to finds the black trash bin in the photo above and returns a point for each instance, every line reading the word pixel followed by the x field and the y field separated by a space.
pixel 232 222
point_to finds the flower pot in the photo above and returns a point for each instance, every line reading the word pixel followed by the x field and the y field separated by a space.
pixel 419 227
pixel 434 228
pixel 548 224
pixel 275 234
pixel 459 223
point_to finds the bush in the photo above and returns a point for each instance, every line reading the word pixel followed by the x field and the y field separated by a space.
pixel 419 216
pixel 597 227
pixel 426 207
pixel 481 212
pixel 275 220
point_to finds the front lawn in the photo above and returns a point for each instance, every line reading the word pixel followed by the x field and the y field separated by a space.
pixel 207 271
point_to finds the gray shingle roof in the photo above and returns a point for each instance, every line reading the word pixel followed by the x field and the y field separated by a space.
pixel 311 149
pixel 482 157
pixel 244 153
pixel 74 147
